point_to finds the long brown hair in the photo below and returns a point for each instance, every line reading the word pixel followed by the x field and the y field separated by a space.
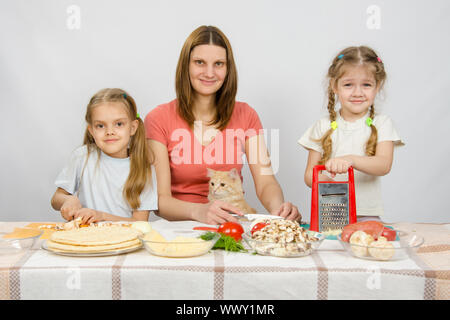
pixel 141 157
pixel 225 96
pixel 352 56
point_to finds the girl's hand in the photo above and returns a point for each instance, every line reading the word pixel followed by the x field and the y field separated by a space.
pixel 216 212
pixel 288 211
pixel 70 207
pixel 89 215
pixel 338 165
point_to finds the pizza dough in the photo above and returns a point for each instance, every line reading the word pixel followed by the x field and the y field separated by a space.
pixel 68 247
pixel 95 236
pixel 94 239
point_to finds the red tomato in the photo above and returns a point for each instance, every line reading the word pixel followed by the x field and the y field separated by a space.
pixel 231 229
pixel 258 226
pixel 389 234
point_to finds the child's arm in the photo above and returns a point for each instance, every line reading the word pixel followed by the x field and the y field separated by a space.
pixel 90 215
pixel 313 160
pixel 65 202
pixel 378 165
pixel 71 208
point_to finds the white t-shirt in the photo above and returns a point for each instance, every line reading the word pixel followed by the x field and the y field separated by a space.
pixel 101 187
pixel 351 138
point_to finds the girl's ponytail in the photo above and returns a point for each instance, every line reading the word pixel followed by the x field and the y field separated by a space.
pixel 371 145
pixel 140 167
pixel 326 138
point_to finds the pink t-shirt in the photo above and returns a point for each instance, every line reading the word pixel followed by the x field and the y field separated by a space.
pixel 189 158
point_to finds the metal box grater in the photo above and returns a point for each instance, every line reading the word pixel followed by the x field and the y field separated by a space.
pixel 333 203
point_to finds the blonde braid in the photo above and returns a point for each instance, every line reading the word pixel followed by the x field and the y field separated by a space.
pixel 326 139
pixel 371 144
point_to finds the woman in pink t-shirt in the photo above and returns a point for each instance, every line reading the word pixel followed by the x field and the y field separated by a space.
pixel 205 127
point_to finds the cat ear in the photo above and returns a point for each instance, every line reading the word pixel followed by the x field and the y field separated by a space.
pixel 233 173
pixel 210 172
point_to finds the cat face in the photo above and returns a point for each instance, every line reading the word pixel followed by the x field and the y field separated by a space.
pixel 223 184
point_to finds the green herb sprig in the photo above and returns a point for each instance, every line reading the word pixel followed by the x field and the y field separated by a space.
pixel 225 242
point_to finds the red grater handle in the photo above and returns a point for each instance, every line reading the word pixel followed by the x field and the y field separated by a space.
pixel 315 197
pixel 352 196
pixel 318 168
pixel 316 171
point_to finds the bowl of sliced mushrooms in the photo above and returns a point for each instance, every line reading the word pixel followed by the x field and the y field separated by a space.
pixel 282 238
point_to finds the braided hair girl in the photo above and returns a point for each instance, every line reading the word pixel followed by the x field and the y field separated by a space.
pixel 354 135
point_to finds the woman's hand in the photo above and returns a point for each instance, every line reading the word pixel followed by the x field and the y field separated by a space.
pixel 88 215
pixel 338 165
pixel 216 212
pixel 70 207
pixel 288 211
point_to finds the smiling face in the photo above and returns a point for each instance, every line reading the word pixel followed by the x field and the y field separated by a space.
pixel 356 91
pixel 207 69
pixel 112 128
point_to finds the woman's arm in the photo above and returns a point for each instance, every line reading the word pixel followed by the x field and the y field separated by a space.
pixel 170 208
pixel 267 187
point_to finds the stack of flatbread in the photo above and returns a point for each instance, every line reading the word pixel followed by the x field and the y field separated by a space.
pixel 95 239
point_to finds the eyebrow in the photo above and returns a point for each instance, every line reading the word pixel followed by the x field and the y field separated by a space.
pixel 115 120
pixel 199 58
pixel 364 80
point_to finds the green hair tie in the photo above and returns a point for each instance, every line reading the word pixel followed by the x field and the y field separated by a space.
pixel 334 125
pixel 137 116
pixel 369 121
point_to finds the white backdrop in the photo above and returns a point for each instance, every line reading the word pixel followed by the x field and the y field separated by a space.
pixel 55 54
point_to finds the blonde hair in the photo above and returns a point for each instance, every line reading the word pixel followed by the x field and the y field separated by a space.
pixel 352 56
pixel 141 157
pixel 225 96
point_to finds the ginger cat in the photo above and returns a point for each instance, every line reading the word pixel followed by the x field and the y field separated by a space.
pixel 227 186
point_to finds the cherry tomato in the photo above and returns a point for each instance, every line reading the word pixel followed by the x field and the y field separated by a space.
pixel 389 234
pixel 258 226
pixel 231 229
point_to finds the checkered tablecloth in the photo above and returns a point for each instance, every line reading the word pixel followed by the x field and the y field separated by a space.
pixel 329 273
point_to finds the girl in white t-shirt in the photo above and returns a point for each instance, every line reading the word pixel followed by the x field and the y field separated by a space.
pixel 110 177
pixel 354 135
